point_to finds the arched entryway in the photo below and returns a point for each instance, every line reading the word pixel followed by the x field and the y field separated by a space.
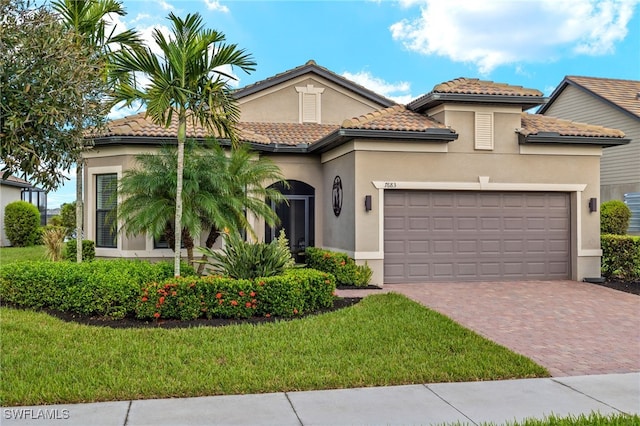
pixel 297 218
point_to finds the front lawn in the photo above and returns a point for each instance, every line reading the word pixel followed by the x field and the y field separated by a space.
pixel 384 340
pixel 14 254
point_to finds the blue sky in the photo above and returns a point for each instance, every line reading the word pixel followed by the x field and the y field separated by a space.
pixel 402 49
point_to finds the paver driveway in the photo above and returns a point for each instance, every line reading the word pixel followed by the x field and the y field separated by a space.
pixel 571 328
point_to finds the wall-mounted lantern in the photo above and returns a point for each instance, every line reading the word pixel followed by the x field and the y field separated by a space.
pixel 593 205
pixel 367 203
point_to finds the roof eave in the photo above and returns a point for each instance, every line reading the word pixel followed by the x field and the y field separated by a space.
pixel 342 135
pixel 554 138
pixel 434 99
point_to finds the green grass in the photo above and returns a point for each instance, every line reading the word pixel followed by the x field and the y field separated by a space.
pixel 384 340
pixel 593 419
pixel 14 254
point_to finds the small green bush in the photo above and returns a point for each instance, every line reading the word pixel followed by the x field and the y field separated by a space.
pixel 187 298
pixel 22 223
pixel 344 268
pixel 102 287
pixel 614 217
pixel 88 250
pixel 245 260
pixel 620 256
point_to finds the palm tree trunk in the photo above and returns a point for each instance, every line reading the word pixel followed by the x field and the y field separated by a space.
pixel 211 240
pixel 79 210
pixel 182 133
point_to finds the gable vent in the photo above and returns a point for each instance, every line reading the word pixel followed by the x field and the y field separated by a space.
pixel 309 103
pixel 484 131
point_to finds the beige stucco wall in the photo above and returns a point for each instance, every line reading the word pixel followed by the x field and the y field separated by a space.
pixel 280 104
pixel 339 231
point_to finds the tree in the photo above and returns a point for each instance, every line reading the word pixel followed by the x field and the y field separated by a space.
pixel 218 191
pixel 68 218
pixel 86 20
pixel 189 82
pixel 50 89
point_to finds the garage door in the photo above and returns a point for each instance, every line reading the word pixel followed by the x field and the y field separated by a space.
pixel 475 236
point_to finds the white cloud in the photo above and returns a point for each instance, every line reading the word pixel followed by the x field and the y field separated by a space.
pixel 398 92
pixel 165 5
pixel 492 33
pixel 216 6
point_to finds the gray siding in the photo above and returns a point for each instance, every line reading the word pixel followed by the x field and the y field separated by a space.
pixel 620 165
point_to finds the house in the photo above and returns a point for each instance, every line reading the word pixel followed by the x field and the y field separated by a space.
pixel 459 185
pixel 611 103
pixel 16 189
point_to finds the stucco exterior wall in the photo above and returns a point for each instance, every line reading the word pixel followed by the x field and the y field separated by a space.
pixel 280 104
pixel 339 231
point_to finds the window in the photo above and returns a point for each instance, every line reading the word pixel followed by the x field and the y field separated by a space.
pixel 309 104
pixel 106 194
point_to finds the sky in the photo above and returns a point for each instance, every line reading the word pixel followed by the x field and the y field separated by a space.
pixel 402 49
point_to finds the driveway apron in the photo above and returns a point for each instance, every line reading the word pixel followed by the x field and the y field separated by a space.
pixel 571 328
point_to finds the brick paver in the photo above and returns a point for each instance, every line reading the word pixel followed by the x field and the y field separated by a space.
pixel 571 328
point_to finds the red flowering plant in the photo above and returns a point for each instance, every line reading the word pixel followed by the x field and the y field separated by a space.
pixel 344 268
pixel 229 298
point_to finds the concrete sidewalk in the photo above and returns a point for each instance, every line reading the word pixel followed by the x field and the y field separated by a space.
pixel 441 403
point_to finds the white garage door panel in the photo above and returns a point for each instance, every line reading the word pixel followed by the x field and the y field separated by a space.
pixel 475 236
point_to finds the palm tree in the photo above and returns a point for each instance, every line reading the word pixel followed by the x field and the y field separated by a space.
pixel 88 20
pixel 189 81
pixel 218 191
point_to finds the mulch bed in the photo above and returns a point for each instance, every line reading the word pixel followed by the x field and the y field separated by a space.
pixel 632 287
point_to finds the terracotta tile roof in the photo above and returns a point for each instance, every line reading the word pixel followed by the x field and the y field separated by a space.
pixel 393 118
pixel 396 118
pixel 623 93
pixel 533 124
pixel 15 181
pixel 474 86
pixel 285 133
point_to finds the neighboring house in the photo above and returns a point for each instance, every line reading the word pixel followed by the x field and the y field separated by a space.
pixel 612 103
pixel 458 185
pixel 16 189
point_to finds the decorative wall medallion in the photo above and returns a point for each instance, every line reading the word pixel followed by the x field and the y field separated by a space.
pixel 337 196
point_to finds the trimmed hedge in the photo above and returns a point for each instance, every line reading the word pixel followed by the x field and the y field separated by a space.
pixel 186 298
pixel 620 256
pixel 102 287
pixel 614 217
pixel 88 250
pixel 344 268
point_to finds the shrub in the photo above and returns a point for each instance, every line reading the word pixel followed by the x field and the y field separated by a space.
pixel 68 218
pixel 22 223
pixel 620 256
pixel 245 260
pixel 88 250
pixel 344 268
pixel 107 288
pixel 295 292
pixel 187 298
pixel 53 240
pixel 614 217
